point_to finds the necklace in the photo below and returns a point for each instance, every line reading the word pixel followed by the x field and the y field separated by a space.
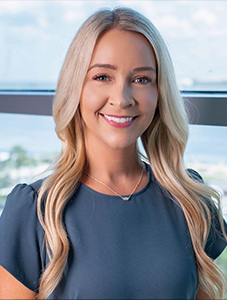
pixel 123 198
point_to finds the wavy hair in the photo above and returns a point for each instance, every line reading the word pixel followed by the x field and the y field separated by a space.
pixel 164 142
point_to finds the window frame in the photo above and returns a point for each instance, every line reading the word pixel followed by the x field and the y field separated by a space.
pixel 204 108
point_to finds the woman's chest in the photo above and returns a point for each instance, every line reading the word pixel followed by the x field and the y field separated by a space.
pixel 129 252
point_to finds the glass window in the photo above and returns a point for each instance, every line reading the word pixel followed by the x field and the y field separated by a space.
pixel 35 36
pixel 206 153
pixel 28 146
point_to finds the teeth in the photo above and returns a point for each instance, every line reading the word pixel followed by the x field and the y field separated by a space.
pixel 118 120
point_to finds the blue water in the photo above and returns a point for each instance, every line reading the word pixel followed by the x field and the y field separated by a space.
pixel 206 144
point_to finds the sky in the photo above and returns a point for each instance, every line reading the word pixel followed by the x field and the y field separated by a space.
pixel 35 36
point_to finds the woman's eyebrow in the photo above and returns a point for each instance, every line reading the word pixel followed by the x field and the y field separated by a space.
pixel 115 68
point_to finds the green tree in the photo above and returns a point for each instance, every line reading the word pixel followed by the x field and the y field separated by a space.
pixel 19 156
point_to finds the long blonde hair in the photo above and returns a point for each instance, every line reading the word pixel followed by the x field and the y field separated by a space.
pixel 164 142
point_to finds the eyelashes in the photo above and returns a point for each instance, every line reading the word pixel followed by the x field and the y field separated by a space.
pixel 106 76
pixel 98 76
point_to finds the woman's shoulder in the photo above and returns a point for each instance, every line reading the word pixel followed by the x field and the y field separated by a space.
pixel 36 185
pixel 21 233
pixel 216 242
pixel 24 191
pixel 22 198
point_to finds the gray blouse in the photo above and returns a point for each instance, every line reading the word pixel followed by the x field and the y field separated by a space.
pixel 136 249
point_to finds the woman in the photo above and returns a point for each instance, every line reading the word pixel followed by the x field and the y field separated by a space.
pixel 117 225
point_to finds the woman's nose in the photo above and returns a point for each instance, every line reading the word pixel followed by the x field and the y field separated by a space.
pixel 121 97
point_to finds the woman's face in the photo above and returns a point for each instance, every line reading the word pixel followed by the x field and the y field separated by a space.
pixel 117 89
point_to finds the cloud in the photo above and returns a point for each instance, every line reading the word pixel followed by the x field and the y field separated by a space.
pixel 15 7
pixel 42 21
pixel 70 4
pixel 21 19
pixel 205 16
pixel 175 27
pixel 71 16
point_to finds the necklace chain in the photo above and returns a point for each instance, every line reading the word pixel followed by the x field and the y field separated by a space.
pixel 123 198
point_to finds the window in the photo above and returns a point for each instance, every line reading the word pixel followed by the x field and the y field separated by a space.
pixel 37 34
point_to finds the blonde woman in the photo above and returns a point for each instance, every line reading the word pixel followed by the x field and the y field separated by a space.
pixel 109 223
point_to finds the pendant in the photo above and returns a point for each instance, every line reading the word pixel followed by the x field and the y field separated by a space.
pixel 126 198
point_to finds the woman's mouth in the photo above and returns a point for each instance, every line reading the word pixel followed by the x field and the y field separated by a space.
pixel 119 122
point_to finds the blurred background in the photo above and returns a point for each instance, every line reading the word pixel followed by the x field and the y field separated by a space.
pixel 35 36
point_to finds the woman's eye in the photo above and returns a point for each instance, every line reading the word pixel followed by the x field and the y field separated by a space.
pixel 144 77
pixel 100 76
pixel 103 77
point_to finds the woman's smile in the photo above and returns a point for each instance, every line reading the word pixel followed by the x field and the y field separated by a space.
pixel 118 122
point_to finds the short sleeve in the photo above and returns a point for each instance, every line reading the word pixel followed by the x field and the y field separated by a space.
pixel 20 237
pixel 216 242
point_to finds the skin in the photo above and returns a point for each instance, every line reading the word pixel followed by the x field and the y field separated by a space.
pixel 11 288
pixel 111 151
pixel 201 295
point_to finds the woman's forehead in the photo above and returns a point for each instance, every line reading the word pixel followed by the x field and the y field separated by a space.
pixel 117 47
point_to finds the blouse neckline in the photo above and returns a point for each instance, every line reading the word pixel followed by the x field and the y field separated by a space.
pixel 148 170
